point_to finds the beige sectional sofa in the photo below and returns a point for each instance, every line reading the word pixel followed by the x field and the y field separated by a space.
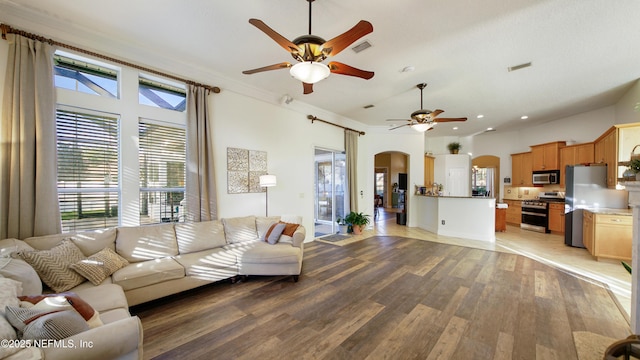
pixel 153 261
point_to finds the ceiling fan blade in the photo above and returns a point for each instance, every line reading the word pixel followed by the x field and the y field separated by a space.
pixel 397 127
pixel 282 65
pixel 343 69
pixel 435 113
pixel 308 88
pixel 281 40
pixel 439 120
pixel 340 42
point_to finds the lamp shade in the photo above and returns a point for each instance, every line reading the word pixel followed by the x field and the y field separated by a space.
pixel 268 180
pixel 310 72
pixel 421 127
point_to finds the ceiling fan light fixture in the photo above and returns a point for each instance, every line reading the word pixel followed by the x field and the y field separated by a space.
pixel 310 72
pixel 421 127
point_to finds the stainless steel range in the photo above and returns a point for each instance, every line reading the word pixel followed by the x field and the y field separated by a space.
pixel 535 213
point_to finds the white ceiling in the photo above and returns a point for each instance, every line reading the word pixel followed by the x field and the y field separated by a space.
pixel 585 53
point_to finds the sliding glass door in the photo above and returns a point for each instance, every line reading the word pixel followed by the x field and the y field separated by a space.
pixel 330 190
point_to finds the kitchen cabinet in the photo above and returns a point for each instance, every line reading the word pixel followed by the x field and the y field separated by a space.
pixel 514 212
pixel 546 156
pixel 607 235
pixel 556 218
pixel 606 152
pixel 428 171
pixel 574 155
pixel 521 170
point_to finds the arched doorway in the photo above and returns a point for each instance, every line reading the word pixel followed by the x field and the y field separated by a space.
pixel 485 180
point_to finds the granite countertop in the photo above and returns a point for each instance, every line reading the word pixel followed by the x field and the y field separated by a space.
pixel 608 211
pixel 454 197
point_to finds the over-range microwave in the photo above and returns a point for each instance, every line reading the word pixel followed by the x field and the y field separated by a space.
pixel 546 177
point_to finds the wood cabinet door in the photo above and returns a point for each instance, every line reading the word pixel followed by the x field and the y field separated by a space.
pixel 613 236
pixel 584 154
pixel 556 218
pixel 551 153
pixel 537 157
pixel 527 170
pixel 611 158
pixel 588 232
pixel 567 157
pixel 428 171
pixel 516 170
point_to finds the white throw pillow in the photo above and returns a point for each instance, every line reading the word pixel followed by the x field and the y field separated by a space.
pixel 9 292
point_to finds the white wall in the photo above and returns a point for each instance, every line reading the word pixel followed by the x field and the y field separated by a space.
pixel 627 110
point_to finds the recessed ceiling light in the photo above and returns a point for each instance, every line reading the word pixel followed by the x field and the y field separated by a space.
pixel 489 129
pixel 455 128
pixel 524 117
pixel 480 116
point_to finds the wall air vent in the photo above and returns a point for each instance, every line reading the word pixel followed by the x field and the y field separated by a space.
pixel 518 67
pixel 368 106
pixel 362 46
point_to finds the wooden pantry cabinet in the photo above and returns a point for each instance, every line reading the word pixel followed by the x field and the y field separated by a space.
pixel 521 174
pixel 607 235
pixel 428 171
pixel 606 152
pixel 556 218
pixel 546 156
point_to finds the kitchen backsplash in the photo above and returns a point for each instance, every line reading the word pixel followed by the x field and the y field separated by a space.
pixel 527 193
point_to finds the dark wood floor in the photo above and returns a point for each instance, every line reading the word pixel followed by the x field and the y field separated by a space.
pixel 387 297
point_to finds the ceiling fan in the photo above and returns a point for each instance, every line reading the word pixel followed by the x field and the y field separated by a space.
pixel 310 50
pixel 423 120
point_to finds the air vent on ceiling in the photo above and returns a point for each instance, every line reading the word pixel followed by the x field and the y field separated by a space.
pixel 362 46
pixel 368 106
pixel 518 67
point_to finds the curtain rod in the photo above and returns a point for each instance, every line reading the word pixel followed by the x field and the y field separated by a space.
pixel 6 29
pixel 313 118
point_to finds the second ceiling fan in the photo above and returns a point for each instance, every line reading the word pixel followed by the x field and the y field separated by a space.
pixel 310 50
pixel 423 119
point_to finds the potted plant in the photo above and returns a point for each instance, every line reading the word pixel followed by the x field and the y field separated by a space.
pixel 358 221
pixel 343 226
pixel 634 166
pixel 454 147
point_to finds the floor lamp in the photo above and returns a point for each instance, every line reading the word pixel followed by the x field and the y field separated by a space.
pixel 267 181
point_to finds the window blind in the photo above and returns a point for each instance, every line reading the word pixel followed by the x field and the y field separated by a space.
pixel 88 183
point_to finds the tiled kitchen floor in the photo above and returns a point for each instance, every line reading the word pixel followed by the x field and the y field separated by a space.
pixel 546 248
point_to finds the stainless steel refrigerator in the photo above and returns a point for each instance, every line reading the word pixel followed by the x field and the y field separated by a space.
pixel 586 188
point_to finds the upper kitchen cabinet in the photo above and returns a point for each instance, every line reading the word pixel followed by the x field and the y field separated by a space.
pixel 547 156
pixel 615 146
pixel 521 169
pixel 574 155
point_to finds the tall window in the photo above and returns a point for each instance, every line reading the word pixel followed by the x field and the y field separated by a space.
pixel 102 181
pixel 162 172
pixel 88 186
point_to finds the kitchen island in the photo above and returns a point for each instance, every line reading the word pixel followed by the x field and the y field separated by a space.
pixel 462 217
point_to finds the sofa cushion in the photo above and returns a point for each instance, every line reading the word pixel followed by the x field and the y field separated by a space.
pixel 263 223
pixel 20 270
pixel 46 324
pixel 103 298
pixel 10 246
pixel 100 265
pixel 89 242
pixel 260 252
pixel 53 265
pixel 150 272
pixel 148 242
pixel 240 229
pixel 198 236
pixel 213 265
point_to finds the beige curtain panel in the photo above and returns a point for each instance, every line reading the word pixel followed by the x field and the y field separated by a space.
pixel 28 165
pixel 201 185
pixel 351 149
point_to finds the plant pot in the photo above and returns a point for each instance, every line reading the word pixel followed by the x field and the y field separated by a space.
pixel 454 151
pixel 343 229
pixel 357 229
